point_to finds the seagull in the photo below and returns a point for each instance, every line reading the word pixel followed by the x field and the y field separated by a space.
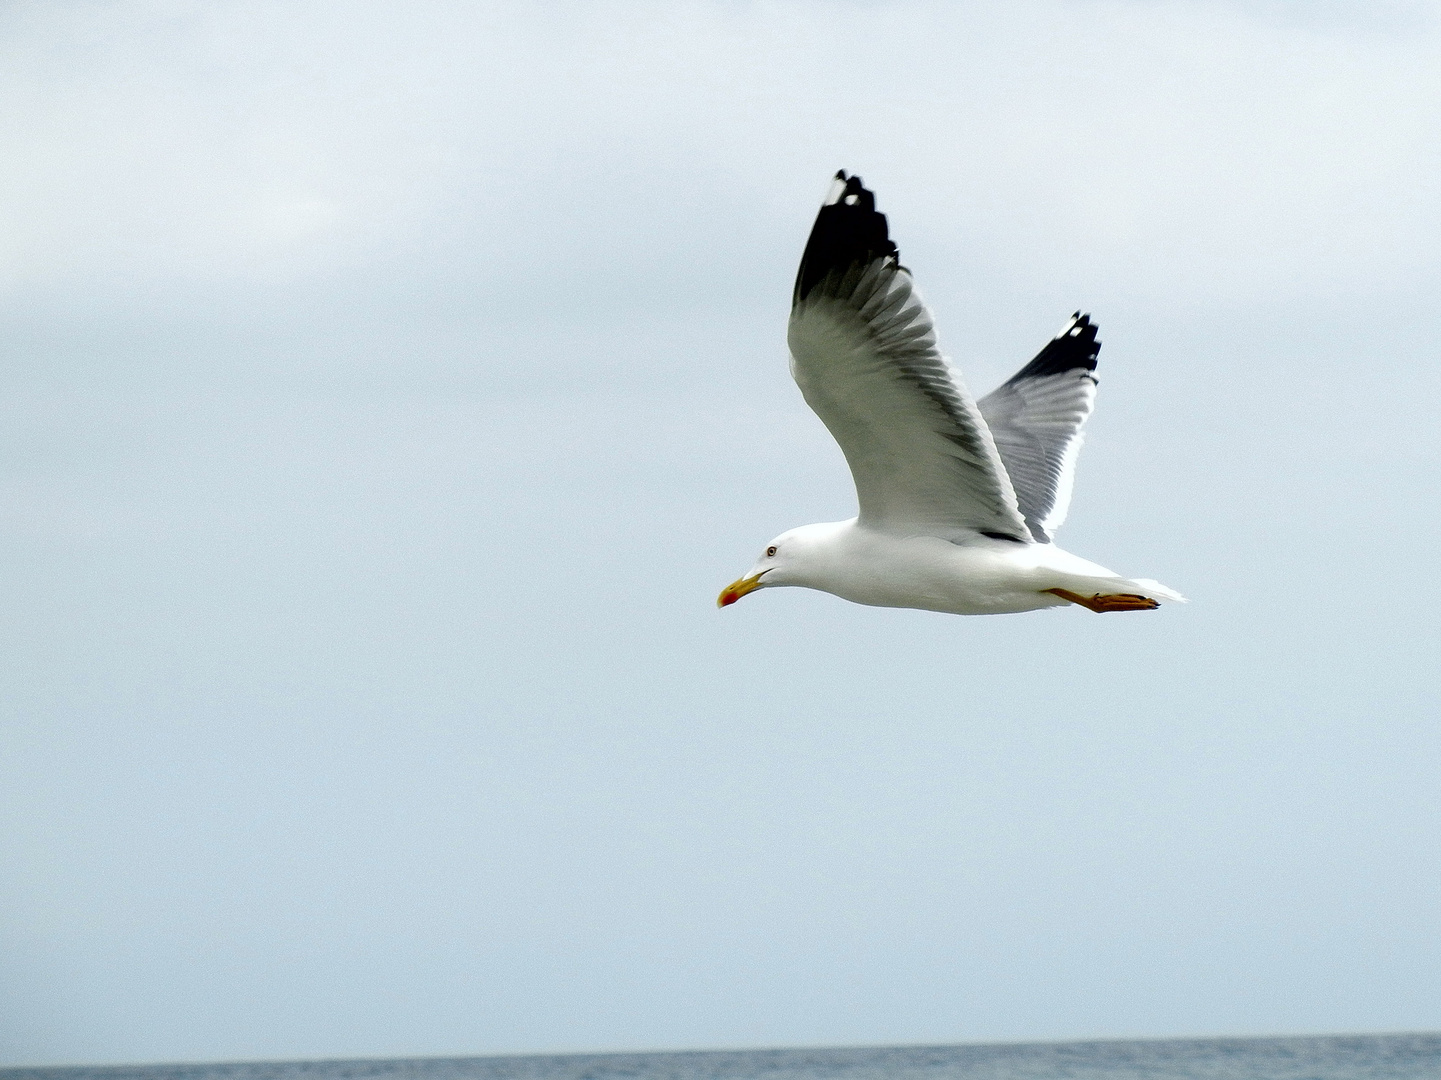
pixel 959 499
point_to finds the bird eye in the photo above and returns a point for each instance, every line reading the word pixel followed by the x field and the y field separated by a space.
pixel 771 550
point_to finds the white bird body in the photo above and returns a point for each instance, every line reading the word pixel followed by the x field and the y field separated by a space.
pixel 959 499
pixel 988 577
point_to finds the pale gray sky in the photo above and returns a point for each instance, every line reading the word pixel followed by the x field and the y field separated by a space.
pixel 388 389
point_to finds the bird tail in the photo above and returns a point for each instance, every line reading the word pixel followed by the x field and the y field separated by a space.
pixel 1156 591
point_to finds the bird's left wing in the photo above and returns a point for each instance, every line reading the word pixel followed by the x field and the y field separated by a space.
pixel 863 351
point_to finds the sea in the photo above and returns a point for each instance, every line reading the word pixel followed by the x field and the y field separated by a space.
pixel 1336 1057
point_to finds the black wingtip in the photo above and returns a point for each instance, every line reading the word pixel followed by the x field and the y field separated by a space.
pixel 1074 348
pixel 848 231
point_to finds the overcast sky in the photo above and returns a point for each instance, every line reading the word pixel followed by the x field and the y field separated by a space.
pixel 389 388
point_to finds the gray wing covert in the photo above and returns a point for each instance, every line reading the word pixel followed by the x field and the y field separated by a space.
pixel 863 351
pixel 1035 418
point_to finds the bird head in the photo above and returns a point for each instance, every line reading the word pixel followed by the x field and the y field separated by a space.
pixel 783 562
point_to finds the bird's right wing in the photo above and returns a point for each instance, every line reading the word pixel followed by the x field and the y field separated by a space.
pixel 1036 417
pixel 863 351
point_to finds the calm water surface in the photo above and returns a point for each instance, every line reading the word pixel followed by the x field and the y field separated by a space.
pixel 1358 1057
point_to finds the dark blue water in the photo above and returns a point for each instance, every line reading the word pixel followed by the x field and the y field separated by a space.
pixel 1355 1057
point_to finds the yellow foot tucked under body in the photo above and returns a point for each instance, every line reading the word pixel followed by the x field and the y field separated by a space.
pixel 1107 601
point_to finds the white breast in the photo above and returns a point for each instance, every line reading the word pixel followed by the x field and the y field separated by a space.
pixel 886 570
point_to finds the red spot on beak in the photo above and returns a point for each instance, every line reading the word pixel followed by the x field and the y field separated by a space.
pixel 736 589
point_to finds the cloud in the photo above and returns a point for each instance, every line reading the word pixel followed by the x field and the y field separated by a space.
pixel 1204 148
pixel 390 386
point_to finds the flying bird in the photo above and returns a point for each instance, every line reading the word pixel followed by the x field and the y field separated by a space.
pixel 959 499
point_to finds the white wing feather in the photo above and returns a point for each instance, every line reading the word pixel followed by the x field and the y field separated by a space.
pixel 1036 417
pixel 863 351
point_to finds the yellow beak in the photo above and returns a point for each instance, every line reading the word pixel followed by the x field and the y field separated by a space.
pixel 736 589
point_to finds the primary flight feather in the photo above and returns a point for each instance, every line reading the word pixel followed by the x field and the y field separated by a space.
pixel 959 499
